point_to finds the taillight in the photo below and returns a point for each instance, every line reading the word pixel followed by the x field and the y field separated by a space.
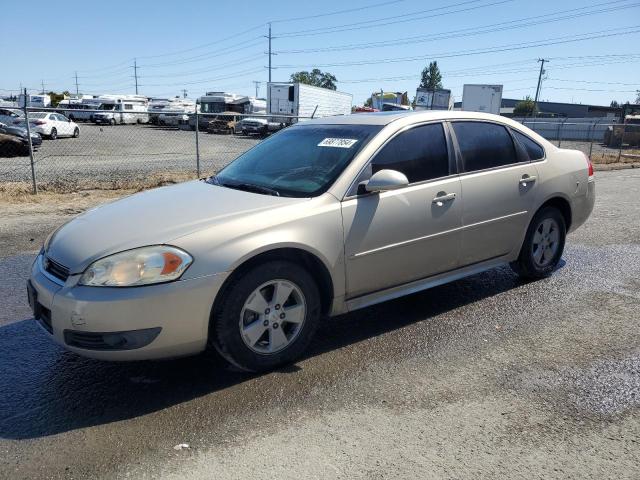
pixel 39 122
pixel 589 165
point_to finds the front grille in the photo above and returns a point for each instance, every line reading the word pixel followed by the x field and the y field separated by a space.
pixel 57 270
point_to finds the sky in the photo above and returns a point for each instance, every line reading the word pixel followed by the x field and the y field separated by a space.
pixel 593 46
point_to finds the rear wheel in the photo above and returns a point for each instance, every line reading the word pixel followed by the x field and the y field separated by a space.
pixel 112 121
pixel 54 134
pixel 267 316
pixel 543 245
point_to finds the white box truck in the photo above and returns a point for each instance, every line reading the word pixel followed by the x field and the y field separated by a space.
pixel 300 100
pixel 482 98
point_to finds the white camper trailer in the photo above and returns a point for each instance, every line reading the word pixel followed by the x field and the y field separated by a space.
pixel 482 98
pixel 286 100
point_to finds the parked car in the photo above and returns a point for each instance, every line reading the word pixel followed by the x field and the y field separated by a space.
pixel 21 132
pixel 224 123
pixel 258 126
pixel 12 146
pixel 53 125
pixel 9 116
pixel 325 217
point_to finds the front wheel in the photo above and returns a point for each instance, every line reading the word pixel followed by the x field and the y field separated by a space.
pixel 112 121
pixel 76 132
pixel 543 245
pixel 266 317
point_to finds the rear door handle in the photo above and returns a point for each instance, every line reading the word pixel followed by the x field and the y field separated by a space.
pixel 441 199
pixel 527 179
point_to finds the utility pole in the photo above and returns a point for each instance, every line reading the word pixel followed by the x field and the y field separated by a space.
pixel 42 87
pixel 535 102
pixel 77 90
pixel 135 72
pixel 269 37
pixel 257 84
pixel 184 93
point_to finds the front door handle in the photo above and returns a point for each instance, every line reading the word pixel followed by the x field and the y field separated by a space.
pixel 441 199
pixel 527 179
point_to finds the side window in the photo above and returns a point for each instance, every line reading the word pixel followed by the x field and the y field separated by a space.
pixel 535 151
pixel 420 153
pixel 484 145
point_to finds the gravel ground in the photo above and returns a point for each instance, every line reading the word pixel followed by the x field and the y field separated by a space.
pixel 108 153
pixel 487 377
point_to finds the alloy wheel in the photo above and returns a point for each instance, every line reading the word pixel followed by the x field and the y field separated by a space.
pixel 272 316
pixel 545 242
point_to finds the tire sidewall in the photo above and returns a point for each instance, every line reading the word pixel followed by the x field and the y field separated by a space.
pixel 54 134
pixel 224 332
pixel 527 262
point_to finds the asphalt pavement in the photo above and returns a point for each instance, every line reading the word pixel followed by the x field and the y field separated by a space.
pixel 487 377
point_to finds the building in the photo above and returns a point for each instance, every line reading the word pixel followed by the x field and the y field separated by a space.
pixel 558 109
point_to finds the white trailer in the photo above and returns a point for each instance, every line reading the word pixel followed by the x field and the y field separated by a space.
pixel 430 99
pixel 482 98
pixel 300 100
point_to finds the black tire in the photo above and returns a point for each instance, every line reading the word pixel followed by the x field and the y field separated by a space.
pixel 224 329
pixel 526 266
pixel 76 133
pixel 54 134
pixel 112 122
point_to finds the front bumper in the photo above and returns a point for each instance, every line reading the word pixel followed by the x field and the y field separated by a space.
pixel 159 321
pixel 102 119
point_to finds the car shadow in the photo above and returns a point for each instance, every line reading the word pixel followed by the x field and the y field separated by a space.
pixel 47 390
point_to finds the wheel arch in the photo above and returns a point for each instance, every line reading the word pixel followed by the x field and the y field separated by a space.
pixel 300 256
pixel 562 204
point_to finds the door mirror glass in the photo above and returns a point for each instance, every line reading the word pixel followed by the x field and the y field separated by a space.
pixel 384 180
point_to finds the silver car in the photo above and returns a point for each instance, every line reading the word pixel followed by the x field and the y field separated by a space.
pixel 325 217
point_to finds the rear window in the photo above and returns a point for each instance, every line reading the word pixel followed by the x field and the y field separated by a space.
pixel 38 115
pixel 535 151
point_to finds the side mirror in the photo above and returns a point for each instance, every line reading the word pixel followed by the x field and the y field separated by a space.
pixel 384 180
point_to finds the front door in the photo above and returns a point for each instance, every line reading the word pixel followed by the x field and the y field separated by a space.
pixel 499 185
pixel 395 237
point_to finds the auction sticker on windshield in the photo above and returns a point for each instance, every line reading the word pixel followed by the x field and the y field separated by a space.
pixel 338 142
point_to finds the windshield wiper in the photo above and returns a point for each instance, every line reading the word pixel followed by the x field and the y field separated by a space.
pixel 249 187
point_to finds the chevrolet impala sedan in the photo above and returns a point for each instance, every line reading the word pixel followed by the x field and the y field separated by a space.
pixel 325 217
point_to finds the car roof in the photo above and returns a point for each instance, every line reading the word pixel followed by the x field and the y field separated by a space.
pixel 385 118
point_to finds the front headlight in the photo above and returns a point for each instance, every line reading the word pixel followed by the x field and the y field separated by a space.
pixel 140 266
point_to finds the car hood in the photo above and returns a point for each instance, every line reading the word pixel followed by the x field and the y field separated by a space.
pixel 150 218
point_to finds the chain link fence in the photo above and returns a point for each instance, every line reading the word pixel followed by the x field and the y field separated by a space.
pixel 84 149
pixel 122 149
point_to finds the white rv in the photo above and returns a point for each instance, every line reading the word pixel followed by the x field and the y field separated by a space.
pixel 35 100
pixel 121 109
pixel 177 112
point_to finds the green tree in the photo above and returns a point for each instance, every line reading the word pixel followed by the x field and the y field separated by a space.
pixel 405 99
pixel 368 102
pixel 614 104
pixel 525 107
pixel 315 77
pixel 431 76
pixel 638 97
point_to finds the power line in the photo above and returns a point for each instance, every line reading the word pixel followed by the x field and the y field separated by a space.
pixel 482 51
pixel 380 22
pixel 465 32
pixel 349 10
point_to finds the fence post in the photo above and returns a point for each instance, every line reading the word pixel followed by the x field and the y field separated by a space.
pixel 197 142
pixel 33 166
pixel 591 132
pixel 560 127
pixel 621 141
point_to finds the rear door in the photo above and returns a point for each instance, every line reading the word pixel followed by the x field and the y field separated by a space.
pixel 395 237
pixel 499 186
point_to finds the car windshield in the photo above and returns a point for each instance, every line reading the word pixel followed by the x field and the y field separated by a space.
pixel 301 161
